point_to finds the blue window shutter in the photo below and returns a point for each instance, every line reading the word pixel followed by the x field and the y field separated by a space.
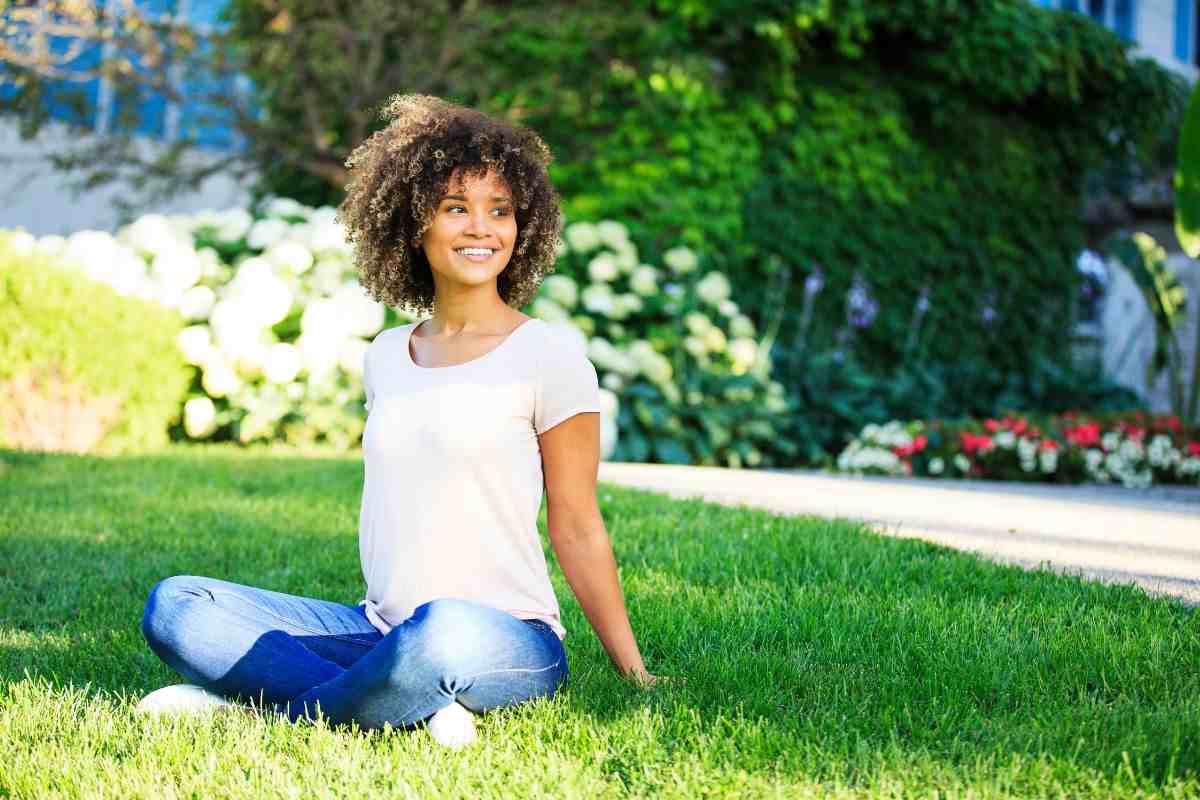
pixel 1070 5
pixel 1124 13
pixel 1183 29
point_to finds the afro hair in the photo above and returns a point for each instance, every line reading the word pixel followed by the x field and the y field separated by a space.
pixel 399 175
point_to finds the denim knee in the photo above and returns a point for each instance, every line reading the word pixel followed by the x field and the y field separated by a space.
pixel 440 638
pixel 160 617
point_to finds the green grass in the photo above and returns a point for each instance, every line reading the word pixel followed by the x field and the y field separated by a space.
pixel 821 659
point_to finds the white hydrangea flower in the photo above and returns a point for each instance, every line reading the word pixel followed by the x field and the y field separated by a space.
pixel 1110 441
pixel 364 316
pixel 284 207
pixel 582 237
pixel 550 311
pixel 151 234
pixel 603 354
pixel 612 233
pixel 727 308
pixel 680 259
pixel 283 363
pixel 626 304
pixel 197 302
pixel 21 242
pixel 695 346
pixel 51 245
pixel 324 318
pixel 289 255
pixel 613 382
pixel 610 404
pixel 1048 460
pixel 327 235
pixel 603 268
pixel 714 288
pixel 714 340
pixel 936 466
pixel 743 352
pixel 233 225
pixel 962 462
pixel 266 232
pixel 562 289
pixel 697 323
pixel 352 355
pixel 219 379
pixel 199 417
pixel 626 257
pixel 644 280
pixel 598 298
pixel 195 343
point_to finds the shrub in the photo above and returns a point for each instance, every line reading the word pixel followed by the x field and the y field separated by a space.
pixel 82 368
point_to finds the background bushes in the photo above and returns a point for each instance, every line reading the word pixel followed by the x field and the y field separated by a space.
pixel 82 367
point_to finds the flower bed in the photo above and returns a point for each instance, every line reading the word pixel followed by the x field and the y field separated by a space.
pixel 1134 449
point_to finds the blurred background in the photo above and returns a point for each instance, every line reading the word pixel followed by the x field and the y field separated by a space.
pixel 909 238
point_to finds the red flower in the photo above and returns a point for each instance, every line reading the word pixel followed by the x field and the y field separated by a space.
pixel 1049 444
pixel 1019 427
pixel 1085 435
pixel 1173 423
pixel 919 443
pixel 991 425
pixel 972 443
pixel 1194 449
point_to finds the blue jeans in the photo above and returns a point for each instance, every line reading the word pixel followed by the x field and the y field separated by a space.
pixel 293 654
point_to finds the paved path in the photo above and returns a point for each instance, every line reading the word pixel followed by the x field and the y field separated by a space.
pixel 1151 537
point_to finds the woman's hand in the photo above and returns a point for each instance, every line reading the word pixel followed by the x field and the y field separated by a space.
pixel 642 679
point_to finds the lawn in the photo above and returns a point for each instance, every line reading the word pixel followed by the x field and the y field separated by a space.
pixel 821 659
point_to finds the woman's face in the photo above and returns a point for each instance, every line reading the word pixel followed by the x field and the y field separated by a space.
pixel 478 215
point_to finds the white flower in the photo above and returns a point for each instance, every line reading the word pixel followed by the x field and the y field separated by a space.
pixel 562 289
pixel 283 363
pixel 21 242
pixel 364 316
pixel 195 344
pixel 51 245
pixel 680 259
pixel 727 308
pixel 598 298
pixel 714 339
pixel 962 462
pixel 612 233
pixel 284 207
pixel 265 233
pixel 197 302
pixel 697 323
pixel 219 379
pixel 326 234
pixel 582 237
pixel 612 381
pixel 199 417
pixel 1005 440
pixel 151 234
pixel 644 280
pixel 713 288
pixel 1110 441
pixel 1048 460
pixel 743 352
pixel 626 304
pixel 603 268
pixel 289 255
pixel 351 356
pixel 233 225
pixel 626 257
pixel 695 346
pixel 547 309
pixel 936 466
pixel 324 318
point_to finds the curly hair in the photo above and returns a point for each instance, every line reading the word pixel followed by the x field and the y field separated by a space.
pixel 399 175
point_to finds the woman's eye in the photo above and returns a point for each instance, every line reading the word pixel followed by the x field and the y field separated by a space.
pixel 503 211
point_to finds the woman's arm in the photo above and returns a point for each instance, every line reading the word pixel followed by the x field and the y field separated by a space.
pixel 570 465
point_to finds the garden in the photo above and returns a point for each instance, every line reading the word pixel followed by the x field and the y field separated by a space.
pixel 795 239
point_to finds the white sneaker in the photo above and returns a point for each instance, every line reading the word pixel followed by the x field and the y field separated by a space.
pixel 453 726
pixel 180 698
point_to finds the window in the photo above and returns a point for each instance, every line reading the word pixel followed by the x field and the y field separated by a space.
pixel 1184 32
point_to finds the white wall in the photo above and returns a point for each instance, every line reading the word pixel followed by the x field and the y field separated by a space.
pixel 1154 32
pixel 35 197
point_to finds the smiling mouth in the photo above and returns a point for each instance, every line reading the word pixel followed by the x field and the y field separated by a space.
pixel 476 253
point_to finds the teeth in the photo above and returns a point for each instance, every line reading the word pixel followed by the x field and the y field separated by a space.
pixel 475 251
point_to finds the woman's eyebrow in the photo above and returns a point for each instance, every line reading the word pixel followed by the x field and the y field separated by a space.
pixel 497 197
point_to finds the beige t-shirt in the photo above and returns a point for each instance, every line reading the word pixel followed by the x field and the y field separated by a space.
pixel 453 471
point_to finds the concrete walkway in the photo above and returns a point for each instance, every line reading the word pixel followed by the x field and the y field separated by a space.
pixel 1118 535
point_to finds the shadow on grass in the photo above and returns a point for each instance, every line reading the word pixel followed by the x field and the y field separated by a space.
pixel 828 645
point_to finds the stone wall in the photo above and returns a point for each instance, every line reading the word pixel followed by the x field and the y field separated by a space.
pixel 1127 331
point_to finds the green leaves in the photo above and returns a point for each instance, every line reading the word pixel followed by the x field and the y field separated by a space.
pixel 1187 181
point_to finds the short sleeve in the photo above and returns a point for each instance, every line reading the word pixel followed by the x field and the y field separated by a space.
pixel 367 388
pixel 566 383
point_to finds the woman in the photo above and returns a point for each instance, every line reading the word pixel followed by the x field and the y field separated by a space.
pixel 470 410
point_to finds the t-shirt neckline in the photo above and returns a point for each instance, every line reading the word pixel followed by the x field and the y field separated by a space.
pixel 409 359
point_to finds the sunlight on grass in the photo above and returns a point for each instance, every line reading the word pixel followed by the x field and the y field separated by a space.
pixel 821 659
